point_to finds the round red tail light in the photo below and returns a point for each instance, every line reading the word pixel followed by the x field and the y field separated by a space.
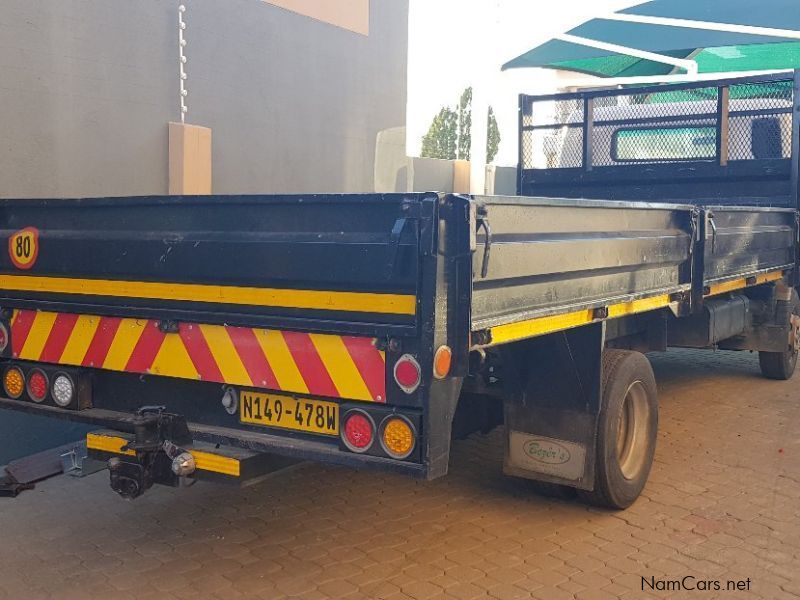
pixel 407 373
pixel 358 432
pixel 37 385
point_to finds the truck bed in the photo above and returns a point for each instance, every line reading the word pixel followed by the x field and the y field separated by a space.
pixel 352 263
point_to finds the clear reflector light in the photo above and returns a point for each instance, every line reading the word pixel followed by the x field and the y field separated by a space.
pixel 63 390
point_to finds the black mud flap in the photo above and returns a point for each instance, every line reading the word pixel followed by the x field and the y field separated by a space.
pixel 552 406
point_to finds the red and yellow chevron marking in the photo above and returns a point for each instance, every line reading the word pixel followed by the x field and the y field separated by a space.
pixel 304 363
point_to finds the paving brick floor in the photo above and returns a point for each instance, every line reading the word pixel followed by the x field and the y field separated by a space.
pixel 723 503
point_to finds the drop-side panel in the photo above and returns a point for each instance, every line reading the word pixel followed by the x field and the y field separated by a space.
pixel 745 241
pixel 557 255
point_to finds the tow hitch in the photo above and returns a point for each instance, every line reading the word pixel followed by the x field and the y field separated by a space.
pixel 157 440
pixel 155 447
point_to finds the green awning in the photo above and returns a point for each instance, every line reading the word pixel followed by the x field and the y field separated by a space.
pixel 713 51
pixel 758 57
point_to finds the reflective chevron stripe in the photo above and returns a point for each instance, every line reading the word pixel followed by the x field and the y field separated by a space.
pixel 324 365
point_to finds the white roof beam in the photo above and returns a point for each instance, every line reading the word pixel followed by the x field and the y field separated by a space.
pixel 707 25
pixel 689 66
pixel 610 82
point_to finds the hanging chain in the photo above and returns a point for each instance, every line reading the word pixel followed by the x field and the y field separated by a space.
pixel 182 61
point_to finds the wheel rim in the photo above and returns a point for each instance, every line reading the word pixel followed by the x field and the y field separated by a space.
pixel 632 431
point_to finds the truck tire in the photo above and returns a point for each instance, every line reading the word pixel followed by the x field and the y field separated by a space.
pixel 778 365
pixel 781 365
pixel 627 429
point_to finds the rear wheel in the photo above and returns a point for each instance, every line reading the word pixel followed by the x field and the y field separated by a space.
pixel 628 424
pixel 778 365
pixel 781 365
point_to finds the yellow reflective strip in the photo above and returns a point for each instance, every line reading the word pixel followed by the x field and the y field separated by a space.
pixel 540 326
pixel 280 359
pixel 637 306
pixel 106 443
pixel 340 366
pixel 225 355
pixel 205 461
pixel 129 332
pixel 37 338
pixel 397 304
pixel 727 286
pixel 79 340
pixel 767 277
pixel 738 284
pixel 543 325
pixel 14 315
pixel 173 360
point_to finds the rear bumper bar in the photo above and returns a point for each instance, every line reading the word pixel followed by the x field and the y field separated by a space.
pixel 293 448
pixel 223 463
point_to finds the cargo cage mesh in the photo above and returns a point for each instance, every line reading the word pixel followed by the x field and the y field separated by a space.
pixel 661 124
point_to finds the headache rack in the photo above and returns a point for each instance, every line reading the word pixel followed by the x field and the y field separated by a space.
pixel 730 141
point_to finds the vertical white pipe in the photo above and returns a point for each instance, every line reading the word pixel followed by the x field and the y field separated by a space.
pixel 486 68
pixel 480 124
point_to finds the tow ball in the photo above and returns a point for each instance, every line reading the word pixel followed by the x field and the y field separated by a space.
pixel 157 446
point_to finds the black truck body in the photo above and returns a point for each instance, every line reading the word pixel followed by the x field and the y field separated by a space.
pixel 180 321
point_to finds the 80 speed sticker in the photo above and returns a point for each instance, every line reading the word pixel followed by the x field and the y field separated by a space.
pixel 23 247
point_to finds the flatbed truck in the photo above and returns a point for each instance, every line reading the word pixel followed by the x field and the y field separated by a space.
pixel 224 337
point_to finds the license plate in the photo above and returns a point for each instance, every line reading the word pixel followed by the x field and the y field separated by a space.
pixel 286 412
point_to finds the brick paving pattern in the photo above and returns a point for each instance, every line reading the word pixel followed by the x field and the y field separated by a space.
pixel 722 503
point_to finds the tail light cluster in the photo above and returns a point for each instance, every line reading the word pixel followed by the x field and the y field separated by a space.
pixel 380 432
pixel 393 435
pixel 408 373
pixel 55 387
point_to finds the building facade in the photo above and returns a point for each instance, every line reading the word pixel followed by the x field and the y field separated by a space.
pixel 295 93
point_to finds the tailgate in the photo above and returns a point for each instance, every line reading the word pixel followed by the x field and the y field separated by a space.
pixel 287 293
pixel 290 261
